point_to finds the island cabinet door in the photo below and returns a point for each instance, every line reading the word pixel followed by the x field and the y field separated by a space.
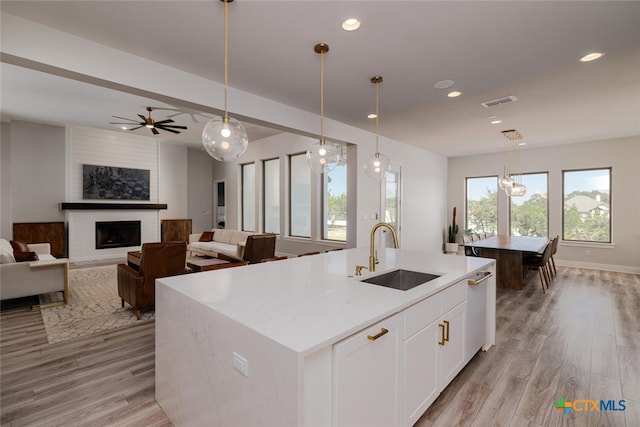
pixel 366 369
pixel 420 373
pixel 451 341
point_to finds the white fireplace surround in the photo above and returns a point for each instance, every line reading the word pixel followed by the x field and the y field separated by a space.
pixel 103 147
pixel 82 234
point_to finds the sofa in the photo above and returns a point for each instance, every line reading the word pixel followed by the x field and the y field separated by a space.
pixel 233 244
pixel 29 278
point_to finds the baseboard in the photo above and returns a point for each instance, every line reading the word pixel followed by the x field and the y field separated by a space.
pixel 595 266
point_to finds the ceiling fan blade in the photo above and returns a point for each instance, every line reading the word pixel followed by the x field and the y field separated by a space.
pixel 168 130
pixel 171 126
pixel 124 118
pixel 155 131
pixel 141 126
pixel 144 119
pixel 161 122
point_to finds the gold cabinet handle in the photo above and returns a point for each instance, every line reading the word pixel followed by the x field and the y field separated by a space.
pixel 382 332
pixel 442 340
pixel 446 335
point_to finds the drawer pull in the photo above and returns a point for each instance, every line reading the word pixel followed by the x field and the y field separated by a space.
pixel 442 329
pixel 382 332
pixel 479 278
pixel 446 335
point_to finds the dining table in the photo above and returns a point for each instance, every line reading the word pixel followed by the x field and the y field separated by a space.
pixel 508 251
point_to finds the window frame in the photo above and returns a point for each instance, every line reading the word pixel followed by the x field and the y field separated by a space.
pixel 510 202
pixel 290 197
pixel 595 242
pixel 264 195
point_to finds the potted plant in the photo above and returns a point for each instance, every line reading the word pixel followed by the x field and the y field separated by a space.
pixel 451 246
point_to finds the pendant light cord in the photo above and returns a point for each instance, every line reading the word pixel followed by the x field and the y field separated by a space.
pixel 226 57
pixel 322 98
pixel 377 117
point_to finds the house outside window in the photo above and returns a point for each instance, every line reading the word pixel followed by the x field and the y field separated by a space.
pixel 482 205
pixel 587 205
pixel 299 196
pixel 530 213
pixel 334 204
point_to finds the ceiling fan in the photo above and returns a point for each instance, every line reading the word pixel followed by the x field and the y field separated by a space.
pixel 149 123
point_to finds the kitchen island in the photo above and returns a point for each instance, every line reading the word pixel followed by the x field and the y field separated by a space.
pixel 279 343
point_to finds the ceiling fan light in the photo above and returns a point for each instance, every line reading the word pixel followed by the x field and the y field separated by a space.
pixel 224 149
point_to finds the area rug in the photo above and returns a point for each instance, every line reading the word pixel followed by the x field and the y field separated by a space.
pixel 94 306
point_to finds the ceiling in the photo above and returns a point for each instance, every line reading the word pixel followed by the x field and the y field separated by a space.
pixel 528 49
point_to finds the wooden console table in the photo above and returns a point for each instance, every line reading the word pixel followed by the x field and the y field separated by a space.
pixel 43 232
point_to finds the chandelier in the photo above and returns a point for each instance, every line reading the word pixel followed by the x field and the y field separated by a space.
pixel 511 179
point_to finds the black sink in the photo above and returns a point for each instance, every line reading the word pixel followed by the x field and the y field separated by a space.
pixel 401 279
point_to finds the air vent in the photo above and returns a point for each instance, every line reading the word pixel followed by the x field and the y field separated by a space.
pixel 498 101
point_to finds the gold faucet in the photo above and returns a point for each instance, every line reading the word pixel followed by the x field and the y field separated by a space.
pixel 372 256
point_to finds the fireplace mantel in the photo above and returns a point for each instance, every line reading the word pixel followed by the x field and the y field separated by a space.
pixel 112 206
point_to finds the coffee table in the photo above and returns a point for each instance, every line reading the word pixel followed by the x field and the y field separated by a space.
pixel 207 264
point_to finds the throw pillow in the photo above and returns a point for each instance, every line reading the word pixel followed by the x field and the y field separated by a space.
pixel 25 256
pixel 19 246
pixel 206 236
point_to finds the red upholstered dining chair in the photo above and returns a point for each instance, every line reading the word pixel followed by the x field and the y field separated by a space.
pixel 138 288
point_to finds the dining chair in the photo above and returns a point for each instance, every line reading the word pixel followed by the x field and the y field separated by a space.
pixel 541 263
pixel 554 249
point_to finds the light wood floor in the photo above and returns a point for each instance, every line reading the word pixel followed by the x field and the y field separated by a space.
pixel 579 341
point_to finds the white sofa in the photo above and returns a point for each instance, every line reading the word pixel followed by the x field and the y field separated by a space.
pixel 227 242
pixel 22 279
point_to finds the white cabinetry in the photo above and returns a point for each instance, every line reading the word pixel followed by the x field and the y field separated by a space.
pixel 434 340
pixel 367 368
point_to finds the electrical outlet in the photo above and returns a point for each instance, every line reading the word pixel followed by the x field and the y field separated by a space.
pixel 240 364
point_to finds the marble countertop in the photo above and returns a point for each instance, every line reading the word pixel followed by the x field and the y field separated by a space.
pixel 310 302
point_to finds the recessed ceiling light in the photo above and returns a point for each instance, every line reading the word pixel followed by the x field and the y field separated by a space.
pixel 443 84
pixel 591 56
pixel 522 143
pixel 372 116
pixel 496 122
pixel 454 94
pixel 350 24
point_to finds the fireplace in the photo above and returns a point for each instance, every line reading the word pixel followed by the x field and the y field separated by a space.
pixel 117 234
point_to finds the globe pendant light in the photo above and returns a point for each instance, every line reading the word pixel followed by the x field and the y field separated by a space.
pixel 377 166
pixel 224 138
pixel 322 156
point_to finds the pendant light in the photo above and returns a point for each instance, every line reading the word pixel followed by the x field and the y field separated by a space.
pixel 515 187
pixel 377 166
pixel 322 156
pixel 225 138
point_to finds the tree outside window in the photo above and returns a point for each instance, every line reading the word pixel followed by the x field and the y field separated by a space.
pixel 482 205
pixel 529 214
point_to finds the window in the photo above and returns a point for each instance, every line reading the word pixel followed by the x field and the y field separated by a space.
pixel 334 204
pixel 271 196
pixel 530 213
pixel 249 197
pixel 300 196
pixel 482 205
pixel 587 205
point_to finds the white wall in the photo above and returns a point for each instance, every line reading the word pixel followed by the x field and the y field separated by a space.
pixel 200 190
pixel 173 168
pixel 623 155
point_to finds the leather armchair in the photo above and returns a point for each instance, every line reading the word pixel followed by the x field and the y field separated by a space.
pixel 138 288
pixel 258 247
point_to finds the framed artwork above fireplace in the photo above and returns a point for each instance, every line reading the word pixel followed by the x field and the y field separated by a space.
pixel 115 183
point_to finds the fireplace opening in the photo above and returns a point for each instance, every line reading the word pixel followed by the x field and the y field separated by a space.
pixel 117 234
